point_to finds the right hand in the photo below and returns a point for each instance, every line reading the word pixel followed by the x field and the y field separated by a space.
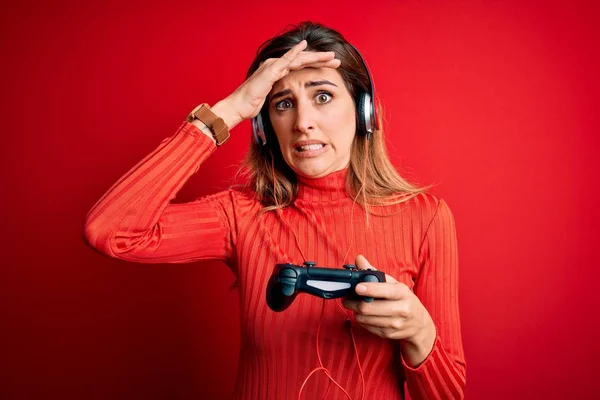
pixel 248 99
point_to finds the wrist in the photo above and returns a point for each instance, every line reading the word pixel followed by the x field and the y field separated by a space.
pixel 417 348
pixel 423 340
pixel 204 129
pixel 225 110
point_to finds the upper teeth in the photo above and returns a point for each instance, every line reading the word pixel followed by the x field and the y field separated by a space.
pixel 311 146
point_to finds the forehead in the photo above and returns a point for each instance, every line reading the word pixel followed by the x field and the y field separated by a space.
pixel 297 79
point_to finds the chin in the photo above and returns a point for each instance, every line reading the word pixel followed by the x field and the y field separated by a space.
pixel 315 171
pixel 309 171
pixel 315 167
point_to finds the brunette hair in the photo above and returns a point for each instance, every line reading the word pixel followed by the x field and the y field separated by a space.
pixel 372 179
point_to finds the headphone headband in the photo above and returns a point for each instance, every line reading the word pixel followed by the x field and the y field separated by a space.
pixel 371 120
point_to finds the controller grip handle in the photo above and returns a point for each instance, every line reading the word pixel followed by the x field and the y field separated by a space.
pixel 280 295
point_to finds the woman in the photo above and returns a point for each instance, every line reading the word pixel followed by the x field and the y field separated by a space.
pixel 319 188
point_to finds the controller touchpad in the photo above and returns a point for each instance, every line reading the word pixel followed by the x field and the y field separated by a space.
pixel 327 285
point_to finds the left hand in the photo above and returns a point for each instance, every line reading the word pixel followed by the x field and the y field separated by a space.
pixel 396 312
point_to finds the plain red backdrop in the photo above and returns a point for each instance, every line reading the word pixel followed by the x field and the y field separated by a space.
pixel 496 101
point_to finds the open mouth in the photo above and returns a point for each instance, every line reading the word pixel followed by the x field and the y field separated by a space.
pixel 310 147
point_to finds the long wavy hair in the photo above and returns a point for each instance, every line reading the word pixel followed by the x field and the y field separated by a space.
pixel 371 180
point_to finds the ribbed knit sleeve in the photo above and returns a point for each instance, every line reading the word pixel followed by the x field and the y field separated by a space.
pixel 443 373
pixel 135 221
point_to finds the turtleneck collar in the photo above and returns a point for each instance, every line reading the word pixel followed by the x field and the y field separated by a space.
pixel 327 188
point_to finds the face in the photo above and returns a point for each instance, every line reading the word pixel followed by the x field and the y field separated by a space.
pixel 314 117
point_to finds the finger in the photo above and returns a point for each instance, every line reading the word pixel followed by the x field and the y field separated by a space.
pixel 362 263
pixel 383 290
pixel 384 332
pixel 293 52
pixel 388 324
pixel 309 57
pixel 390 279
pixel 351 304
pixel 280 67
pixel 267 62
pixel 302 57
pixel 364 288
pixel 374 329
pixel 335 63
pixel 284 61
pixel 378 308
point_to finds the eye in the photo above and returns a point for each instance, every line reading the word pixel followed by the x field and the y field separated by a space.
pixel 283 105
pixel 324 97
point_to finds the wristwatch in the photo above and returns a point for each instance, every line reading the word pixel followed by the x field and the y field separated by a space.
pixel 217 126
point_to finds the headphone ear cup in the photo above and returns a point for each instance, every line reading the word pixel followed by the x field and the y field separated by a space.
pixel 258 129
pixel 360 115
pixel 365 115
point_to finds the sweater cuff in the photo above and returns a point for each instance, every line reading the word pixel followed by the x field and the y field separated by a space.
pixel 187 128
pixel 436 377
pixel 428 360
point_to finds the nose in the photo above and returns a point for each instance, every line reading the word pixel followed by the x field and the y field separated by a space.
pixel 305 117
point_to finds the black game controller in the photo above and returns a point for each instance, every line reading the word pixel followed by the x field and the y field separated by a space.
pixel 288 280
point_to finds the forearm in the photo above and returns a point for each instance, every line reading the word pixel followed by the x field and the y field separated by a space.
pixel 225 110
pixel 130 209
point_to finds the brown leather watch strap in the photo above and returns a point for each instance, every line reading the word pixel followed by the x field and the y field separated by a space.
pixel 217 126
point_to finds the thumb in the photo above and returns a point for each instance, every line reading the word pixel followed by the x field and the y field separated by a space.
pixel 362 263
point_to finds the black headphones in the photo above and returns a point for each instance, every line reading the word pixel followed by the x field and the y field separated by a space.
pixel 365 111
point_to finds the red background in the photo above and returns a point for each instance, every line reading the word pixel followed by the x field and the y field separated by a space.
pixel 496 101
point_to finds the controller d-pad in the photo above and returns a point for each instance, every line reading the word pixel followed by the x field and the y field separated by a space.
pixel 287 279
pixel 288 273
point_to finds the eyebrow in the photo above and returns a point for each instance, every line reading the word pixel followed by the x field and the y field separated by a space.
pixel 285 92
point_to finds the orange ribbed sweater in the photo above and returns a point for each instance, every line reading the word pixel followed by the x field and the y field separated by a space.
pixel 415 242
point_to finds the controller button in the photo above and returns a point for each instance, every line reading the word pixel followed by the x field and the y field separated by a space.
pixel 370 278
pixel 310 263
pixel 288 273
pixel 351 267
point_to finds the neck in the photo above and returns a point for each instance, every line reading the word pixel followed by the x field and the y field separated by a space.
pixel 327 188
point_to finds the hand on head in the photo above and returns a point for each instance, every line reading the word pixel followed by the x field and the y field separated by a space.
pixel 249 97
